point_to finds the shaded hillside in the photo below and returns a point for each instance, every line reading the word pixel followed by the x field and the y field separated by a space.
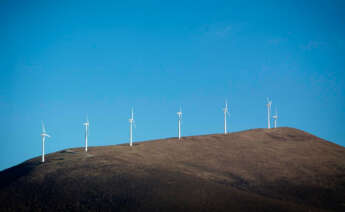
pixel 281 169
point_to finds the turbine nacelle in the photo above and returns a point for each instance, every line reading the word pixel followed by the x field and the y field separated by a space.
pixel 226 112
pixel 226 109
pixel 226 106
pixel 45 135
pixel 87 123
pixel 269 102
pixel 131 120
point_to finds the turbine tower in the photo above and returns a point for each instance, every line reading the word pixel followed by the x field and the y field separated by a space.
pixel 179 114
pixel 44 135
pixel 269 103
pixel 86 124
pixel 275 117
pixel 226 113
pixel 131 122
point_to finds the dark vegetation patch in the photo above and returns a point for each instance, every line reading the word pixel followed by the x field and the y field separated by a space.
pixel 11 175
pixel 68 151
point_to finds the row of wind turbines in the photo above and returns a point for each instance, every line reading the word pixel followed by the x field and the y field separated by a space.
pixel 179 115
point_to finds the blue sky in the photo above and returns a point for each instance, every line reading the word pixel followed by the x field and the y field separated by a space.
pixel 61 60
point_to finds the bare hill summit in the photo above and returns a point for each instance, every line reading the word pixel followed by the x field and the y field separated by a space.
pixel 281 169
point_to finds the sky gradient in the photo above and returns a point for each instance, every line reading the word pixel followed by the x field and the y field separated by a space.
pixel 61 60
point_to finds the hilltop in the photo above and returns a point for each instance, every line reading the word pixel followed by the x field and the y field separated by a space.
pixel 281 169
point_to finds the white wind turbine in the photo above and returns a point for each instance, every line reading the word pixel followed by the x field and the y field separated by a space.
pixel 275 117
pixel 86 124
pixel 226 113
pixel 131 122
pixel 269 103
pixel 44 135
pixel 179 114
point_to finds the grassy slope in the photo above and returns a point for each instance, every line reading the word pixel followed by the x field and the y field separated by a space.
pixel 281 169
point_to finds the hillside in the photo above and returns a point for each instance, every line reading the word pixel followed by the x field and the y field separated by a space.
pixel 281 169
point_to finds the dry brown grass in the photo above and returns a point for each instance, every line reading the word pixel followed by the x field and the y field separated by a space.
pixel 281 169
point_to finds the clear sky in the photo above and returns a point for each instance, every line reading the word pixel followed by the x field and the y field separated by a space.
pixel 61 60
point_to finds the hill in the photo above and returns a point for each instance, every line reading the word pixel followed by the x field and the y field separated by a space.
pixel 281 169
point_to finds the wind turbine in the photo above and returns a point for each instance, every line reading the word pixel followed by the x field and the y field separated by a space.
pixel 179 114
pixel 44 135
pixel 86 124
pixel 269 103
pixel 275 117
pixel 131 122
pixel 226 113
